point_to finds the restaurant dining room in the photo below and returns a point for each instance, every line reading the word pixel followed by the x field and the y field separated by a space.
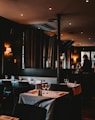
pixel 47 59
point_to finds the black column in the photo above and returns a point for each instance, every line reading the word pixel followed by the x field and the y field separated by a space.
pixel 58 48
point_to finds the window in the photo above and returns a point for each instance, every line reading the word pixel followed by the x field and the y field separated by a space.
pixel 93 58
pixel 82 54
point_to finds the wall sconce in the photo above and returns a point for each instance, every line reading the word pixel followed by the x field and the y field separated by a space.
pixel 15 60
pixel 8 50
pixel 74 57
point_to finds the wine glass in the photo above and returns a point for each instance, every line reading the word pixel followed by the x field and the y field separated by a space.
pixel 46 87
pixel 43 86
pixel 19 78
pixel 66 80
pixel 6 76
pixel 75 82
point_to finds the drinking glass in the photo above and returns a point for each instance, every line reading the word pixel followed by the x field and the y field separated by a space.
pixel 66 80
pixel 43 86
pixel 75 82
pixel 46 86
pixel 6 76
pixel 19 78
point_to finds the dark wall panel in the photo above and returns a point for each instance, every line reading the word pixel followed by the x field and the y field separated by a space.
pixel 39 72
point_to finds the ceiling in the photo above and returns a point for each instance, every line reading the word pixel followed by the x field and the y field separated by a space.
pixel 77 21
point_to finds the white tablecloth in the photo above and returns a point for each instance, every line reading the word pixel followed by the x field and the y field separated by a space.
pixel 75 87
pixel 46 100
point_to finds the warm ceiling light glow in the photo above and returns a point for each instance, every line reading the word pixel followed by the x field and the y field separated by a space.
pixel 50 8
pixel 81 32
pixel 21 14
pixel 87 1
pixel 70 23
pixel 89 38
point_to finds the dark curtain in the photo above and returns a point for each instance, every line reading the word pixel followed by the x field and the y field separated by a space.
pixel 35 47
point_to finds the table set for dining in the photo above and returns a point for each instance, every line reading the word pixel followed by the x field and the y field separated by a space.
pixel 48 100
pixel 57 103
pixel 16 82
pixel 76 88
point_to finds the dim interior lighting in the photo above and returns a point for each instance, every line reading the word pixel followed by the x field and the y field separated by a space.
pixel 87 1
pixel 6 45
pixel 61 57
pixel 81 32
pixel 70 23
pixel 14 60
pixel 75 57
pixel 21 14
pixel 50 8
pixel 8 50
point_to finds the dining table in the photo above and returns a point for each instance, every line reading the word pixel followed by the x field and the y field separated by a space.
pixel 16 82
pixel 76 88
pixel 55 102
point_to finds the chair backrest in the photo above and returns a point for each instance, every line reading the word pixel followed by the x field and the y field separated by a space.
pixel 18 90
pixel 22 84
pixel 1 93
pixel 7 85
pixel 29 112
pixel 60 88
pixel 21 89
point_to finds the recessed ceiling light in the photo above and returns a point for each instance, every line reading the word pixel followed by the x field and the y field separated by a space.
pixel 87 1
pixel 81 32
pixel 50 8
pixel 70 23
pixel 21 14
pixel 89 38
